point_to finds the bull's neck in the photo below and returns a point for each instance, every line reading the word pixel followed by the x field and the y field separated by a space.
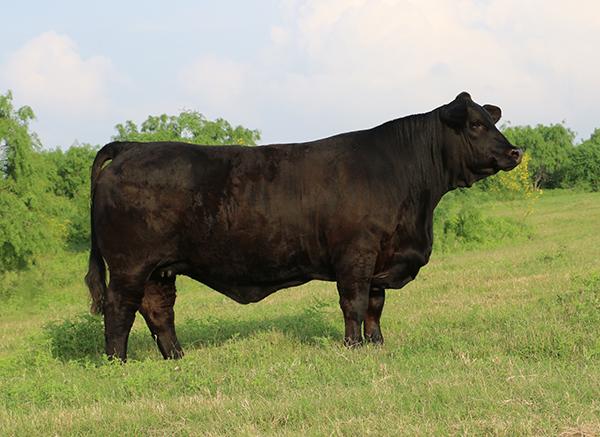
pixel 417 150
pixel 457 171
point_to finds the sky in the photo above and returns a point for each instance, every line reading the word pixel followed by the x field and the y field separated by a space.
pixel 297 69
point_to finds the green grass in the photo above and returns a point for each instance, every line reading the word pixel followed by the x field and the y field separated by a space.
pixel 497 341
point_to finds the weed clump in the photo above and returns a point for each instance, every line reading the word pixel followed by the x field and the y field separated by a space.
pixel 79 339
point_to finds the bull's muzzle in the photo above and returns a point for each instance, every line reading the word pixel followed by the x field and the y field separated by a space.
pixel 516 155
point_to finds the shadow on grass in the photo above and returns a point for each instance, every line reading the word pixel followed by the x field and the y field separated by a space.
pixel 82 339
pixel 306 328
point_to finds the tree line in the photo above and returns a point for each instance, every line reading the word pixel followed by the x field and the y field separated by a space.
pixel 556 160
pixel 44 194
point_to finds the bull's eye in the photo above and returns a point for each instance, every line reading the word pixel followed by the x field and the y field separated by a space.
pixel 476 124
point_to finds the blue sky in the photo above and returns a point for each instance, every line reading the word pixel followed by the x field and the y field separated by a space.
pixel 297 69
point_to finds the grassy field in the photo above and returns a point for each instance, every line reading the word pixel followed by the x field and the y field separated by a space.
pixel 501 341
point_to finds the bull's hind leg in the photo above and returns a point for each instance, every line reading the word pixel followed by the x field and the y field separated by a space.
pixel 157 309
pixel 123 298
pixel 372 326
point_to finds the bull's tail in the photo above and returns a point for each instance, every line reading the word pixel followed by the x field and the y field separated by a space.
pixel 96 275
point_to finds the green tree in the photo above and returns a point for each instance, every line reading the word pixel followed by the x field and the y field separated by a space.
pixel 549 148
pixel 18 145
pixel 30 220
pixel 69 178
pixel 188 126
pixel 582 169
pixel 72 169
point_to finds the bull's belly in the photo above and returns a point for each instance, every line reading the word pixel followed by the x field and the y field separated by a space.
pixel 250 277
pixel 248 290
pixel 246 285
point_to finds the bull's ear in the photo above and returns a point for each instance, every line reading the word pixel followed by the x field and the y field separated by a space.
pixel 464 96
pixel 494 112
pixel 454 114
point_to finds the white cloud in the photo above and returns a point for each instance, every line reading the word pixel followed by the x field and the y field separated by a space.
pixel 344 64
pixel 49 74
pixel 217 82
pixel 327 66
pixel 537 58
pixel 279 35
pixel 422 52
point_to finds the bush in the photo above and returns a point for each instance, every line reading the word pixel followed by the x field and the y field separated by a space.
pixel 459 223
pixel 514 184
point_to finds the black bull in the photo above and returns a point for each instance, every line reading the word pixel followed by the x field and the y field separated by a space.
pixel 356 208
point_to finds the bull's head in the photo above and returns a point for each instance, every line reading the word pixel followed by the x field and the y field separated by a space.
pixel 474 148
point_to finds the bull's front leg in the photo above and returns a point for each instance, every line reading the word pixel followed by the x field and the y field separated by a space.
pixel 372 321
pixel 354 274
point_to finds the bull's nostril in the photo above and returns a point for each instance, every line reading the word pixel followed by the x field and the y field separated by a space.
pixel 516 154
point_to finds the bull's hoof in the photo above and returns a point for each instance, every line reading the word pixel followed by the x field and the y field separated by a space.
pixel 375 338
pixel 116 358
pixel 175 354
pixel 353 342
